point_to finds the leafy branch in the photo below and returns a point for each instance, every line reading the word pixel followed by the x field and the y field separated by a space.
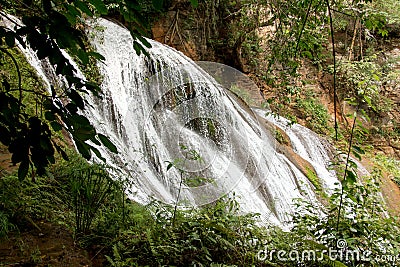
pixel 48 27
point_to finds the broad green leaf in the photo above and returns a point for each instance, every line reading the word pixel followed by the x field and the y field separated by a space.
pixel 158 4
pixel 84 133
pixel 357 155
pixel 83 7
pixel 96 55
pixel 97 153
pixel 72 108
pixel 72 14
pixel 83 148
pixel 51 159
pixel 144 41
pixel 100 6
pixel 351 176
pixel 95 141
pixel 368 100
pixel 49 116
pixel 358 149
pixel 195 3
pixel 83 56
pixel 23 169
pixel 56 126
pixel 80 120
pixel 107 143
pixel 170 165
pixel 10 39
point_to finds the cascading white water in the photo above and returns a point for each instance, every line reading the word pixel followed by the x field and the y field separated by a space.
pixel 309 146
pixel 164 107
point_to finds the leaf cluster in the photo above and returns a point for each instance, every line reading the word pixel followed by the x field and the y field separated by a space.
pixel 50 27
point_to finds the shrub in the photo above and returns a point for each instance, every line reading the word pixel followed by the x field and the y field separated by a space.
pixel 212 234
pixel 315 114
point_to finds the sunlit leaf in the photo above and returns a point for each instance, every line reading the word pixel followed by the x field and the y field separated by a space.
pixel 351 177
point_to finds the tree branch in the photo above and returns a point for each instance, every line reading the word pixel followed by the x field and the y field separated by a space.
pixel 334 68
pixel 19 76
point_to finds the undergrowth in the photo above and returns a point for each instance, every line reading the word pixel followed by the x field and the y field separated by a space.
pixel 390 166
pixel 85 199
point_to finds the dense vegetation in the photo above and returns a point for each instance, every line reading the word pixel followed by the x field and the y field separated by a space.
pixel 84 198
pixel 90 202
pixel 50 26
pixel 94 206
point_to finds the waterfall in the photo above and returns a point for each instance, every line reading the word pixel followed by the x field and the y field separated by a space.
pixel 178 132
pixel 310 147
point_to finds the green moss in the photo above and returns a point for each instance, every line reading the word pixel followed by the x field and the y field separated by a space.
pixel 242 94
pixel 32 86
pixel 314 179
pixel 314 112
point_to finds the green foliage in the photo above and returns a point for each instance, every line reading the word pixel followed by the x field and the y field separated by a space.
pixel 279 137
pixel 49 26
pixel 213 234
pixel 362 81
pixel 389 9
pixel 314 179
pixel 89 188
pixel 315 114
pixel 24 203
pixel 131 234
pixel 5 225
pixel 275 38
pixel 390 166
pixel 362 223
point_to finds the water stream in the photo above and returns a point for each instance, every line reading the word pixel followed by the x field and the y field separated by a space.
pixel 173 122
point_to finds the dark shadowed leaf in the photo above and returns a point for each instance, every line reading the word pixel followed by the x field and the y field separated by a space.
pixel 10 39
pixel 83 7
pixel 158 4
pixel 98 154
pixel 23 169
pixel 61 151
pixel 78 100
pixel 100 6
pixel 5 136
pixel 107 143
pixel 84 149
pixel 170 165
pixel 49 116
